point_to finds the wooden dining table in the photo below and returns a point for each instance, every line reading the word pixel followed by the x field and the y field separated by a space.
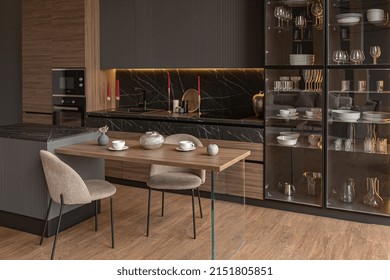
pixel 167 154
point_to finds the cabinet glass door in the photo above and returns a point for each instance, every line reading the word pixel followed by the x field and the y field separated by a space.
pixel 294 75
pixel 358 98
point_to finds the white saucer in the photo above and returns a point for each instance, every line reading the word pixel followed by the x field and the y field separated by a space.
pixel 113 149
pixel 289 116
pixel 181 150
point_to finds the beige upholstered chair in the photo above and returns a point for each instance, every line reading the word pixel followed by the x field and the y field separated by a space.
pixel 66 187
pixel 176 178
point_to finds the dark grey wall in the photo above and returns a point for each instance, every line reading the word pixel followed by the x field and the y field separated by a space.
pixel 10 62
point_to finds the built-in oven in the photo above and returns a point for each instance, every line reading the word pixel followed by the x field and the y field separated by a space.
pixel 68 96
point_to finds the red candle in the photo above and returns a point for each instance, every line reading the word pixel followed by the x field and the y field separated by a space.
pixel 108 90
pixel 198 85
pixel 169 81
pixel 117 90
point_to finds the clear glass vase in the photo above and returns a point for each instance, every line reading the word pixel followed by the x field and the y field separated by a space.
pixel 372 198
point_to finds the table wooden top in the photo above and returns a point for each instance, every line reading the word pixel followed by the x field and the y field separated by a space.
pixel 165 155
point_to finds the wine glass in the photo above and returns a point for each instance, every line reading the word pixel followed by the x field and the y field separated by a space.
pixel 317 11
pixel 278 13
pixel 357 56
pixel 300 22
pixel 375 52
pixel 338 56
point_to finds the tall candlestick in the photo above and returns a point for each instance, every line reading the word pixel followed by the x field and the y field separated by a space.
pixel 117 90
pixel 108 91
pixel 199 94
pixel 169 93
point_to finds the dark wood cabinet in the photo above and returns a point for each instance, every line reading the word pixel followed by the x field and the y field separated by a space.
pixel 181 34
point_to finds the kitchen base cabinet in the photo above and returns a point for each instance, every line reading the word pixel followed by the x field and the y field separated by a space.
pixel 37 118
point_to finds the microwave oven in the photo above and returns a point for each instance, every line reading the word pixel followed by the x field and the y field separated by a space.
pixel 68 81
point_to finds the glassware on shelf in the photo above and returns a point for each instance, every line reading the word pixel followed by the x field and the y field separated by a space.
pixel 357 56
pixel 347 191
pixel 372 198
pixel 317 10
pixel 340 57
pixel 375 52
pixel 300 22
pixel 295 80
pixel 278 11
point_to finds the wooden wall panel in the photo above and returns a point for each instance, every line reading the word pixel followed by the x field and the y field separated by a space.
pixel 36 56
pixel 68 36
pixel 37 118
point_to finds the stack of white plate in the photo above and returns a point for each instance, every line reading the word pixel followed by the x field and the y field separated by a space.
pixel 376 116
pixel 301 59
pixel 346 115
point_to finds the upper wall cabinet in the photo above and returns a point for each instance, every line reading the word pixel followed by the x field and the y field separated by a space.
pixel 181 34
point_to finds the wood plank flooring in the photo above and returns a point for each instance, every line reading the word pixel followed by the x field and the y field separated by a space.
pixel 269 234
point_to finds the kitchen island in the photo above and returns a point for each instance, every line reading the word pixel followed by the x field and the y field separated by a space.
pixel 24 196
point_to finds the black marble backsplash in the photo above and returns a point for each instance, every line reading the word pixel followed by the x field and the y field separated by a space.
pixel 225 93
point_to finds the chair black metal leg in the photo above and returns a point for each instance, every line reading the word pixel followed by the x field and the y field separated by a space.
pixel 112 224
pixel 162 203
pixel 193 213
pixel 58 228
pixel 148 219
pixel 200 204
pixel 46 220
pixel 96 215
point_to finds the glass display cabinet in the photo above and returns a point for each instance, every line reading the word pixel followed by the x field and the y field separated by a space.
pixel 358 132
pixel 294 82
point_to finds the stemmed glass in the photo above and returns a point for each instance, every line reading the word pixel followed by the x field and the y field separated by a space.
pixel 357 56
pixel 317 11
pixel 340 56
pixel 278 12
pixel 375 52
pixel 300 22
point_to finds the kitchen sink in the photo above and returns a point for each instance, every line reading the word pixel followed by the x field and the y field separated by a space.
pixel 132 110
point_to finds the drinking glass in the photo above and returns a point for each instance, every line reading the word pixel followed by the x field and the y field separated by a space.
pixel 300 22
pixel 357 56
pixel 375 52
pixel 278 14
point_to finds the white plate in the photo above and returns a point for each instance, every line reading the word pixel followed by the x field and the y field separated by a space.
pixel 289 116
pixel 348 19
pixel 181 150
pixel 313 117
pixel 113 149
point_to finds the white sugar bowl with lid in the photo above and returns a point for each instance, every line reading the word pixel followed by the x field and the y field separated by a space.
pixel 151 140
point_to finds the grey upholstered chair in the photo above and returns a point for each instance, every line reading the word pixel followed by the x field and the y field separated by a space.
pixel 66 187
pixel 164 177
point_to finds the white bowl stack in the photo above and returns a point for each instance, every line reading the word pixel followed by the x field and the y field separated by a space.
pixel 348 19
pixel 287 140
pixel 301 59
pixel 375 15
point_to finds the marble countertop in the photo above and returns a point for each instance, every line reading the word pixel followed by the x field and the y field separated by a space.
pixel 41 133
pixel 162 115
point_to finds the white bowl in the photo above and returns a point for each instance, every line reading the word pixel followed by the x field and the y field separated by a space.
pixel 348 19
pixel 309 114
pixel 314 139
pixel 284 113
pixel 287 140
pixel 290 134
pixel 347 116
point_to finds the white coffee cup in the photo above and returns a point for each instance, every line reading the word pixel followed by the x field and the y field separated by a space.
pixel 118 144
pixel 309 114
pixel 186 145
pixel 292 110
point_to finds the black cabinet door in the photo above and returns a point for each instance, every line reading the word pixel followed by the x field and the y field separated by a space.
pixel 181 33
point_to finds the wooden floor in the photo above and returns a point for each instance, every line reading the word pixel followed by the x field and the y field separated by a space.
pixel 269 234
